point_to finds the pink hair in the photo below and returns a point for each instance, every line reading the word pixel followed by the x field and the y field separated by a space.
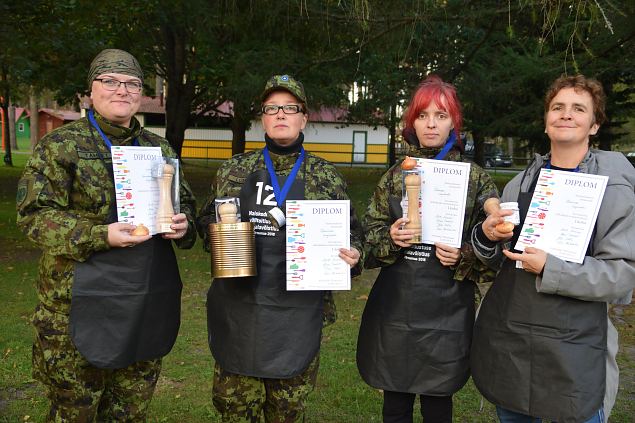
pixel 434 89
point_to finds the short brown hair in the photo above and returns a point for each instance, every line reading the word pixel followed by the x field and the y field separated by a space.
pixel 580 82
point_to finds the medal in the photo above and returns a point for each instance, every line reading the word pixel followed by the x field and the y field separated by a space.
pixel 276 217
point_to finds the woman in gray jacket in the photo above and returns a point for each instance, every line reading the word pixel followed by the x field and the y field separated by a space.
pixel 543 344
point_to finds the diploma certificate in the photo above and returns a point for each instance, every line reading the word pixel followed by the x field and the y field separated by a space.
pixel 137 192
pixel 316 230
pixel 562 213
pixel 442 201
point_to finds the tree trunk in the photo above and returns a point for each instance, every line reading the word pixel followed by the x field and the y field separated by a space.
pixel 510 147
pixel 479 149
pixel 11 122
pixel 177 116
pixel 180 93
pixel 5 119
pixel 239 127
pixel 392 139
pixel 7 143
pixel 33 119
pixel 158 88
pixel 605 143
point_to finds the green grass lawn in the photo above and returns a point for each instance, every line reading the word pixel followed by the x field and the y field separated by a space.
pixel 184 390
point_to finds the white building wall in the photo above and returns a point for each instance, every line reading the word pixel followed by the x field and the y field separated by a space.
pixel 338 133
pixel 326 133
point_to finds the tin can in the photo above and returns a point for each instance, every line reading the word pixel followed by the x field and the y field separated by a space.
pixel 233 249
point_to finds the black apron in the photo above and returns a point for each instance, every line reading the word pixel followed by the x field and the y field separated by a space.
pixel 539 354
pixel 126 304
pixel 417 326
pixel 255 326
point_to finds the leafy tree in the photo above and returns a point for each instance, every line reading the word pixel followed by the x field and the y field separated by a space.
pixel 211 53
pixel 9 65
pixel 39 48
pixel 516 68
pixel 501 59
pixel 500 55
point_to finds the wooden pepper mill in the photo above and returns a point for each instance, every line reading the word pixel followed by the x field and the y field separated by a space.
pixel 227 212
pixel 412 181
pixel 165 210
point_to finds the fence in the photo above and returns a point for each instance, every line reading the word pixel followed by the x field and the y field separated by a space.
pixel 342 153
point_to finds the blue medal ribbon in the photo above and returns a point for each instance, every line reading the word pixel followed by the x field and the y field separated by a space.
pixel 447 147
pixel 282 195
pixel 93 121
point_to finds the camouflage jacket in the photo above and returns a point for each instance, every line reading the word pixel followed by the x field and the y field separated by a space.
pixel 323 182
pixel 64 201
pixel 381 251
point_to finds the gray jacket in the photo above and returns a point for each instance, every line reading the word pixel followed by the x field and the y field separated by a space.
pixel 609 273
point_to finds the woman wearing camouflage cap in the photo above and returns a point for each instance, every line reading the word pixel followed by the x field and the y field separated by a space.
pixel 106 314
pixel 265 339
pixel 416 328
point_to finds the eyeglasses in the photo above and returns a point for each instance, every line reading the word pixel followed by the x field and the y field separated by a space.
pixel 133 87
pixel 287 109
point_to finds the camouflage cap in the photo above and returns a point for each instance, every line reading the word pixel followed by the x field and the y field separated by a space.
pixel 286 83
pixel 114 61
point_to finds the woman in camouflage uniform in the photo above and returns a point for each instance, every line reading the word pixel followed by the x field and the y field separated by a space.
pixel 106 314
pixel 416 328
pixel 265 339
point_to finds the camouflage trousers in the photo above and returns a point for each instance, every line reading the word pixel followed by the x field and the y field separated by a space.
pixel 80 392
pixel 245 399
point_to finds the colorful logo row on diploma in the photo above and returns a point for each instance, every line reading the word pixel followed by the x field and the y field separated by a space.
pixel 123 186
pixel 136 190
pixel 296 245
pixel 538 209
pixel 562 213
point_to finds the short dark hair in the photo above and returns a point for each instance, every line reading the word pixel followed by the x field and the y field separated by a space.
pixel 580 82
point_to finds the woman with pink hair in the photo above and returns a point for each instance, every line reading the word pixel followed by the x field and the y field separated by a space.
pixel 416 328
